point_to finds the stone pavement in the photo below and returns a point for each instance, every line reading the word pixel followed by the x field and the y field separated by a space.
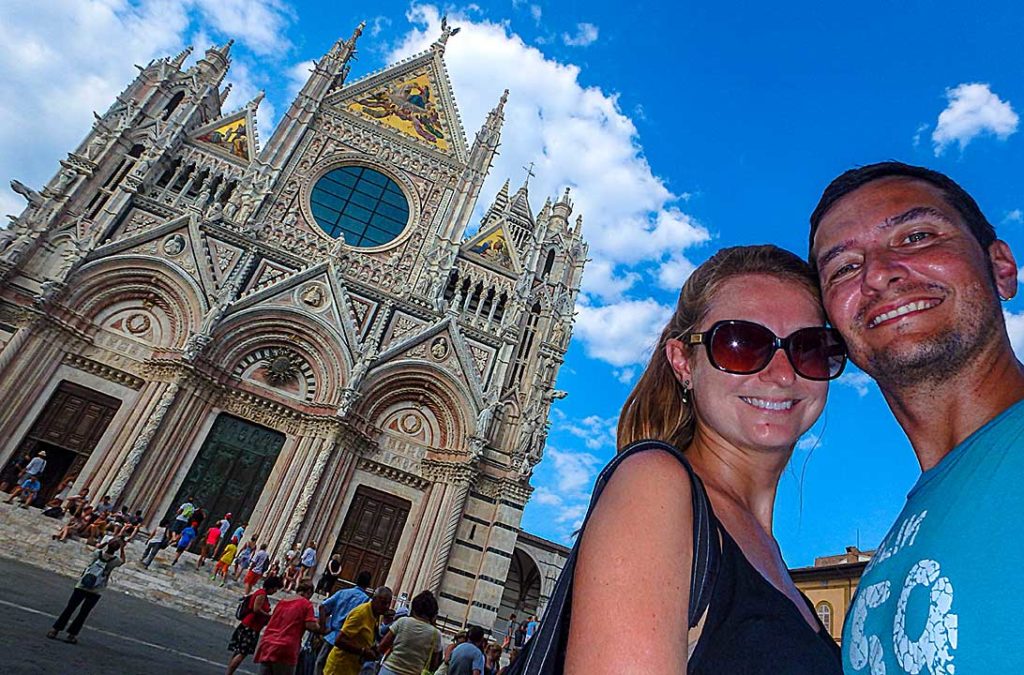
pixel 123 635
pixel 25 535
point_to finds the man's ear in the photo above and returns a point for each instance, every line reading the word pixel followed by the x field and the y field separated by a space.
pixel 1004 268
pixel 679 359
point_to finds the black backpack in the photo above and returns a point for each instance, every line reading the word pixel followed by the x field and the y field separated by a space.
pixel 244 607
pixel 544 653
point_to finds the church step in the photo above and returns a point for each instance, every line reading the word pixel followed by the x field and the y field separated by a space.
pixel 26 535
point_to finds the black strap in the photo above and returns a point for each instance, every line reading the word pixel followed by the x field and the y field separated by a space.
pixel 544 654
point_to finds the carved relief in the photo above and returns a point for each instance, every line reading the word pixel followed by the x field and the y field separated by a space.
pixel 174 245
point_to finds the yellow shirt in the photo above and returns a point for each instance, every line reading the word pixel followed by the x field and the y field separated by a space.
pixel 361 629
pixel 229 554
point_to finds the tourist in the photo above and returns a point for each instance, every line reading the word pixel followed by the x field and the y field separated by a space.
pixel 291 571
pixel 912 274
pixel 521 635
pixel 131 526
pixel 77 525
pixel 77 502
pixel 513 656
pixel 492 659
pixel 239 531
pixel 182 517
pixel 105 506
pixel 459 638
pixel 27 490
pixel 226 558
pixel 88 589
pixel 738 375
pixel 468 657
pixel 255 616
pixel 413 641
pixel 335 609
pixel 356 641
pixel 157 542
pixel 36 466
pixel 13 471
pixel 510 632
pixel 224 524
pixel 184 541
pixel 199 516
pixel 62 494
pixel 257 568
pixel 531 627
pixel 308 562
pixel 242 560
pixel 209 546
pixel 278 651
pixel 330 575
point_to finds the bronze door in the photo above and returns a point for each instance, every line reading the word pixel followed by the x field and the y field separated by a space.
pixel 68 430
pixel 231 469
pixel 370 535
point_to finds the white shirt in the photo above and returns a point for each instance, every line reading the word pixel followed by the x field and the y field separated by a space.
pixel 36 466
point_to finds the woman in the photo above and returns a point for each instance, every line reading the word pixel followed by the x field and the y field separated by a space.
pixel 414 642
pixel 256 616
pixel 330 575
pixel 739 374
pixel 87 591
pixel 77 525
pixel 492 659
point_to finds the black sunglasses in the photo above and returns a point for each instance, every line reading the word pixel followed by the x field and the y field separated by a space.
pixel 744 347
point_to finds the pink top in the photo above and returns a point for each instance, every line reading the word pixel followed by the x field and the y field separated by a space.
pixel 213 535
pixel 282 638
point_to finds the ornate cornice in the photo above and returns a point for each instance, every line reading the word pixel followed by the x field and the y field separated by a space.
pixel 451 473
pixel 108 373
pixel 392 473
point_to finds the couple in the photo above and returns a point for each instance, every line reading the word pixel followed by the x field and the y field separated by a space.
pixel 910 274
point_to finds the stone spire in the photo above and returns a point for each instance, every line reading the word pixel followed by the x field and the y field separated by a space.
pixel 179 60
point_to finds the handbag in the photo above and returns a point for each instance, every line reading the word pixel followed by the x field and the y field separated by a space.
pixel 544 653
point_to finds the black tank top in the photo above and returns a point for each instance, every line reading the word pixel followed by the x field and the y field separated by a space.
pixel 752 627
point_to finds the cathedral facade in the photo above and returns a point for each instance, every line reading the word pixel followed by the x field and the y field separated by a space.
pixel 298 332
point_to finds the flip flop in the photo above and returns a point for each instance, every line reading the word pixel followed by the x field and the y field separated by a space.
pixel 71 640
pixel 52 633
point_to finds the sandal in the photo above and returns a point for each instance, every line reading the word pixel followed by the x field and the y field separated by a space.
pixel 52 633
pixel 71 639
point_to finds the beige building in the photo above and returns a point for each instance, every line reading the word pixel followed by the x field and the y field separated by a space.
pixel 830 584
pixel 299 331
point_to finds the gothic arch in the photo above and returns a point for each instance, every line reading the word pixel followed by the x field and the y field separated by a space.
pixel 404 386
pixel 172 302
pixel 248 336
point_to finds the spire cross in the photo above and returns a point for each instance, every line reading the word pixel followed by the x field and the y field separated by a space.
pixel 529 173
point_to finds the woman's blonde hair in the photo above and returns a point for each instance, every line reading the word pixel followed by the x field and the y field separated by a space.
pixel 656 409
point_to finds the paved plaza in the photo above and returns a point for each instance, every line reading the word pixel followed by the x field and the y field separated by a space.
pixel 123 635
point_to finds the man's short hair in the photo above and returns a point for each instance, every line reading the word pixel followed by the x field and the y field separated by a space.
pixel 475 634
pixel 272 584
pixel 304 587
pixel 363 579
pixel 383 592
pixel 954 195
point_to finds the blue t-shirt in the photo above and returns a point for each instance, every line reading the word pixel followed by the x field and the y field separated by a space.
pixel 466 658
pixel 339 605
pixel 30 484
pixel 939 595
pixel 187 535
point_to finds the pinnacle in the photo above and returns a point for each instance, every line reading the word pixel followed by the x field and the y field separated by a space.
pixel 178 60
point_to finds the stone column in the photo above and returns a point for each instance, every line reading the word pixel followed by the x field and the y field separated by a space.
pixel 143 440
pixel 323 454
pixel 458 478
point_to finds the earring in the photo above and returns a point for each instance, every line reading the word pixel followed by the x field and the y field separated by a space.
pixel 686 391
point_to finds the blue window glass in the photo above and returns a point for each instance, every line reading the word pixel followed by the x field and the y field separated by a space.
pixel 364 205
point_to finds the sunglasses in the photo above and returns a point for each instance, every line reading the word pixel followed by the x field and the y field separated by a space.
pixel 743 348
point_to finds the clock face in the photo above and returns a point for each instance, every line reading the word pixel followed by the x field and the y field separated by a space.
pixel 360 204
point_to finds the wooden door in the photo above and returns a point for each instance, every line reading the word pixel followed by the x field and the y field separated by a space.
pixel 69 428
pixel 371 533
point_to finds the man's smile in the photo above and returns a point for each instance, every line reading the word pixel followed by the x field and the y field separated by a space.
pixel 903 309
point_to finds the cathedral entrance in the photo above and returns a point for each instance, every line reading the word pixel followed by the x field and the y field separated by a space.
pixel 68 430
pixel 370 534
pixel 522 591
pixel 231 469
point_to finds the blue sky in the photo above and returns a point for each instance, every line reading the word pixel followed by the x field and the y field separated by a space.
pixel 682 127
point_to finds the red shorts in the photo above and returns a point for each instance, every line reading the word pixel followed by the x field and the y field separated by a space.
pixel 251 578
pixel 221 567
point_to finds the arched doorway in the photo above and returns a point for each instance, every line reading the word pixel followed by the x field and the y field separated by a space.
pixel 231 468
pixel 522 591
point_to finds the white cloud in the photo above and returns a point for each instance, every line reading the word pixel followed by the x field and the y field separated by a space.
pixel 574 471
pixel 586 34
pixel 571 476
pixel 622 333
pixel 856 380
pixel 61 59
pixel 378 24
pixel 1015 328
pixel 917 134
pixel 1014 216
pixel 973 110
pixel 297 76
pixel 596 431
pixel 808 441
pixel 624 375
pixel 536 12
pixel 577 135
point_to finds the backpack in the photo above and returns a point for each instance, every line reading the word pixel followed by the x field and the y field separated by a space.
pixel 94 575
pixel 544 653
pixel 244 607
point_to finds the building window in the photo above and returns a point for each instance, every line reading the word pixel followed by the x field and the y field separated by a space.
pixel 364 205
pixel 824 610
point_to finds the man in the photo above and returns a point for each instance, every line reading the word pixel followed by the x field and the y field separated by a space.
pixel 26 492
pixel 912 274
pixel 531 627
pixel 88 589
pixel 357 639
pixel 307 562
pixel 258 565
pixel 335 609
pixel 468 658
pixel 105 507
pixel 278 651
pixel 510 632
pixel 181 518
pixel 36 466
